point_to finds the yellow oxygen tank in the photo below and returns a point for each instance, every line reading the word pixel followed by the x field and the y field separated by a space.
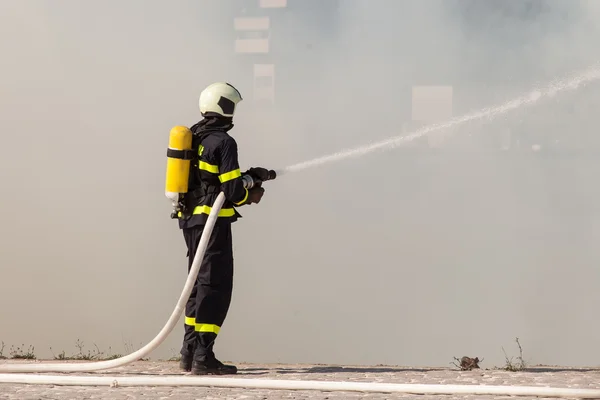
pixel 178 165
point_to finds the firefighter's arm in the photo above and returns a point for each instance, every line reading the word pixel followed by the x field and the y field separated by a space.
pixel 230 174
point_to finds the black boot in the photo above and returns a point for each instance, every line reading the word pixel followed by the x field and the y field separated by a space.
pixel 205 362
pixel 188 349
pixel 212 366
pixel 185 364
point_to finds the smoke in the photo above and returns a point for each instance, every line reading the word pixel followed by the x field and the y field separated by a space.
pixel 446 247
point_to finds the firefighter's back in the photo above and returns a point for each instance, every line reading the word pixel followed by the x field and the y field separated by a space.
pixel 207 174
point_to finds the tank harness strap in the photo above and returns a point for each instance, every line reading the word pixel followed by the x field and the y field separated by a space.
pixel 181 154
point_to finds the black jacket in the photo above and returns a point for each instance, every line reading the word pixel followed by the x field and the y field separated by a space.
pixel 217 165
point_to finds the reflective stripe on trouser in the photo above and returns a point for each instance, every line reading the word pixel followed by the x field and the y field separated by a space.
pixel 209 301
pixel 200 327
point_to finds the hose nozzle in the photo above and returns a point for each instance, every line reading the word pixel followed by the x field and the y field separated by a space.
pixel 272 175
pixel 251 181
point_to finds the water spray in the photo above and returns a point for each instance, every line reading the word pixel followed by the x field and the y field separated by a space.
pixel 572 82
pixel 8 370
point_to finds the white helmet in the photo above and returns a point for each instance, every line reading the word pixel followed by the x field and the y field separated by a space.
pixel 219 98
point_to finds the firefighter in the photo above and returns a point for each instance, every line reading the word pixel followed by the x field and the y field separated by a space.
pixel 215 169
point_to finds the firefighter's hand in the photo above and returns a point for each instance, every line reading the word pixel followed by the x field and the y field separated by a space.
pixel 259 173
pixel 255 195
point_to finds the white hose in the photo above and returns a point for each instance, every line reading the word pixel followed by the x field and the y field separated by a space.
pixel 234 382
pixel 278 384
pixel 162 335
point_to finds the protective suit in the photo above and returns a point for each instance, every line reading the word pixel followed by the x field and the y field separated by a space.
pixel 215 170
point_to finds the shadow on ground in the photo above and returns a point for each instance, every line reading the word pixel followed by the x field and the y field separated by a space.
pixel 336 369
pixel 151 368
pixel 379 370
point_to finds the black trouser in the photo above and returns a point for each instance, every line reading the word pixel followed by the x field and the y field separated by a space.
pixel 209 301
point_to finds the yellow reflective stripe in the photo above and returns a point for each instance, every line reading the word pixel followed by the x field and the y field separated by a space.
pixel 223 212
pixel 244 199
pixel 208 167
pixel 191 321
pixel 227 176
pixel 208 328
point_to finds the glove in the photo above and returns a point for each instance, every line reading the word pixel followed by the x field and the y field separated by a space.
pixel 259 173
pixel 255 195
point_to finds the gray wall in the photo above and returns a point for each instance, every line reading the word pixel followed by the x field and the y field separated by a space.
pixel 410 256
